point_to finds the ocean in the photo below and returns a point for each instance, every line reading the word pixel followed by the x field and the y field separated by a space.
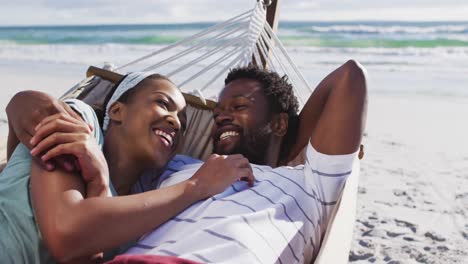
pixel 397 48
pixel 315 34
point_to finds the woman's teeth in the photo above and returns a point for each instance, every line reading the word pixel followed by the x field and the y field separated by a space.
pixel 165 136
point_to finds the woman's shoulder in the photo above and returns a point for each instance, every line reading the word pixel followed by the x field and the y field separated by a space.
pixel 17 169
pixel 89 116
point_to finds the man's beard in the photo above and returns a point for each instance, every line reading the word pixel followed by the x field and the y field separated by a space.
pixel 252 144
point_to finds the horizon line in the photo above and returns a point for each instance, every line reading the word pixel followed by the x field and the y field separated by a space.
pixel 214 22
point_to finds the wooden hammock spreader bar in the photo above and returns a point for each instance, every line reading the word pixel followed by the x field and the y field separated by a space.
pixel 114 77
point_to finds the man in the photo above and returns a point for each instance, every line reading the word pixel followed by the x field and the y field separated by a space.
pixel 284 216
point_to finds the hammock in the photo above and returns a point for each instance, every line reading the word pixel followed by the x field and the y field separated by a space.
pixel 198 65
pixel 337 241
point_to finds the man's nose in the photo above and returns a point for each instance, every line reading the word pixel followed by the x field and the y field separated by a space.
pixel 223 117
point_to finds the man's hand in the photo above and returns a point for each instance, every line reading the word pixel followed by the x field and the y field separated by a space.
pixel 60 135
pixel 25 111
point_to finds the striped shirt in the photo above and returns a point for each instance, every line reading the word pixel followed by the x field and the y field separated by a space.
pixel 282 219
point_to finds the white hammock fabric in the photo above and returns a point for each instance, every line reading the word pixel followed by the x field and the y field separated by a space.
pixel 198 64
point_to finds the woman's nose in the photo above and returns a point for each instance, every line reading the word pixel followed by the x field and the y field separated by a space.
pixel 174 121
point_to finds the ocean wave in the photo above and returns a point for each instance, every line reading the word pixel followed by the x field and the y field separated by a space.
pixel 314 34
pixel 388 29
pixel 97 54
pixel 457 52
pixel 287 40
pixel 89 54
pixel 41 39
pixel 395 62
pixel 373 42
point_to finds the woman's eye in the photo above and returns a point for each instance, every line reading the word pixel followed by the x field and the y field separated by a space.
pixel 163 103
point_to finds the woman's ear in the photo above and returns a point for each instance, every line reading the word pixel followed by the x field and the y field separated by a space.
pixel 279 124
pixel 117 112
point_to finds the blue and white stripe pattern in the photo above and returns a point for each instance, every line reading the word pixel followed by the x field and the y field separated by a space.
pixel 282 219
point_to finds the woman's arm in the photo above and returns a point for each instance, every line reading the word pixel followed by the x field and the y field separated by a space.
pixel 333 118
pixel 12 141
pixel 75 226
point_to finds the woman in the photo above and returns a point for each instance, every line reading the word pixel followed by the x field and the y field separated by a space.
pixel 74 214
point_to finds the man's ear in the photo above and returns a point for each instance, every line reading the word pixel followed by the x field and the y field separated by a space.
pixel 279 124
pixel 117 112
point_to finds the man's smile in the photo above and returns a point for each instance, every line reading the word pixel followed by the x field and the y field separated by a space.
pixel 228 134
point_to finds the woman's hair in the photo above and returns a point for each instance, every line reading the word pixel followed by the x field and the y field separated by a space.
pixel 101 109
pixel 127 96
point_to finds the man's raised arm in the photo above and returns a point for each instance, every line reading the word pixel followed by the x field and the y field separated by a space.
pixel 334 117
pixel 25 110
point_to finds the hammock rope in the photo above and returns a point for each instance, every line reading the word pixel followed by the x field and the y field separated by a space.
pixel 239 41
pixel 224 24
pixel 218 39
pixel 209 67
pixel 200 58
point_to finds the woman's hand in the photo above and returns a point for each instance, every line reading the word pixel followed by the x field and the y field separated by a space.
pixel 218 172
pixel 60 135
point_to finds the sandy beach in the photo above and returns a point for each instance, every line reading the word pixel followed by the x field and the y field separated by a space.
pixel 413 191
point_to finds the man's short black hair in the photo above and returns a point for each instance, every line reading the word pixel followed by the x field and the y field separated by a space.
pixel 280 95
pixel 278 90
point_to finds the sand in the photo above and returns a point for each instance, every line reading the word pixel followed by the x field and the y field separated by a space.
pixel 413 194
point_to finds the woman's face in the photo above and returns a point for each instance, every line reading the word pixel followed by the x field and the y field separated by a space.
pixel 150 122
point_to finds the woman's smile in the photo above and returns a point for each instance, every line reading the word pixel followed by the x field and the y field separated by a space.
pixel 166 137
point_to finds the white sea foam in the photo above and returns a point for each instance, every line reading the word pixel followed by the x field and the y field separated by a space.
pixel 120 54
pixel 390 29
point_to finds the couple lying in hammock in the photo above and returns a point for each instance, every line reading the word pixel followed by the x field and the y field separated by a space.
pixel 67 192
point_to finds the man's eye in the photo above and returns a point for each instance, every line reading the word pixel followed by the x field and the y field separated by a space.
pixel 240 107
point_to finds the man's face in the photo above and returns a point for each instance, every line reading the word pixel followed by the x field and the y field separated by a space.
pixel 242 121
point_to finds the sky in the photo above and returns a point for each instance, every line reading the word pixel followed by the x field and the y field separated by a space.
pixel 78 12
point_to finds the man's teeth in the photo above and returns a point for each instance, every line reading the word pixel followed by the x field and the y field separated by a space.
pixel 228 134
pixel 164 135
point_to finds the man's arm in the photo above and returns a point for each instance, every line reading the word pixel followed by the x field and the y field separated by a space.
pixel 25 111
pixel 334 117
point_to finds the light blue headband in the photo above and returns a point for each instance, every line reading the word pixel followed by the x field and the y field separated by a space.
pixel 130 81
